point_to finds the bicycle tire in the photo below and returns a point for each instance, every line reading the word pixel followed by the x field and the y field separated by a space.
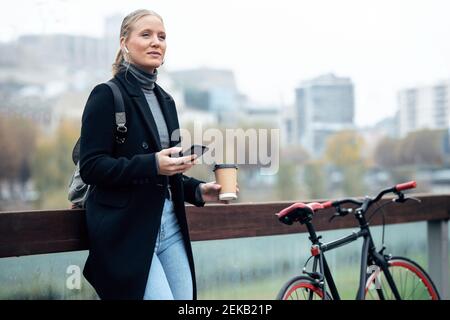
pixel 301 288
pixel 420 287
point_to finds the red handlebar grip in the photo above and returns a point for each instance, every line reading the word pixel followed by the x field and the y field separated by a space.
pixel 315 206
pixel 327 204
pixel 406 186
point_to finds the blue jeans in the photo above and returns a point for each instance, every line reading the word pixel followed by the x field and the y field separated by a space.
pixel 169 277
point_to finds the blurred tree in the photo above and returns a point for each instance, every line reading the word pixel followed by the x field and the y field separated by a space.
pixel 44 168
pixel 9 150
pixel 315 179
pixel 344 148
pixel 295 154
pixel 286 187
pixel 387 153
pixel 24 132
pixel 17 141
pixel 422 147
pixel 53 166
pixel 353 183
pixel 419 148
pixel 344 151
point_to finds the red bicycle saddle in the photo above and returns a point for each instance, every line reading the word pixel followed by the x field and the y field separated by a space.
pixel 297 211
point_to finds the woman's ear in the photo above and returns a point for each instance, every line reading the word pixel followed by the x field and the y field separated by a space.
pixel 123 45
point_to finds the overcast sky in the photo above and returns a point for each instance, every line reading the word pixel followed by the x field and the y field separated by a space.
pixel 382 45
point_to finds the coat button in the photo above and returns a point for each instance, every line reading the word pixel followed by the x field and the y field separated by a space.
pixel 145 145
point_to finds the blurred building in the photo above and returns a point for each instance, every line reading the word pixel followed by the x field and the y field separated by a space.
pixel 34 108
pixel 61 49
pixel 373 135
pixel 74 52
pixel 59 70
pixel 388 126
pixel 48 77
pixel 111 36
pixel 426 107
pixel 323 106
pixel 209 90
pixel 266 116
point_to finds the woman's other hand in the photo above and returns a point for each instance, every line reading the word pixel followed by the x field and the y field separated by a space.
pixel 210 192
pixel 169 166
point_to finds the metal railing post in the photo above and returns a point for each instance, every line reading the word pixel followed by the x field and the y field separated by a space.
pixel 438 255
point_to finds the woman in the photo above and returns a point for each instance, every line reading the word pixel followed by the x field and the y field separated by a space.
pixel 139 239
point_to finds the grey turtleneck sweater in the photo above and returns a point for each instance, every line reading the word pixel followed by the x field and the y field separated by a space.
pixel 147 82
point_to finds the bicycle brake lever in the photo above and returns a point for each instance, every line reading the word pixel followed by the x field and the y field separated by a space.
pixel 412 198
pixel 403 200
pixel 340 213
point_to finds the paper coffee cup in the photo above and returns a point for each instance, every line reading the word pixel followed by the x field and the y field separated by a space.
pixel 226 176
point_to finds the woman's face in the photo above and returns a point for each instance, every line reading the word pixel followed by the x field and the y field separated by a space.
pixel 147 43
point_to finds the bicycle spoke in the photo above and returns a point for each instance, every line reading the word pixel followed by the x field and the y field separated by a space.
pixel 418 282
pixel 398 283
pixel 410 285
pixel 404 276
pixel 401 284
pixel 424 288
pixel 369 291
pixel 383 289
pixel 415 291
pixel 414 286
pixel 301 290
pixel 407 275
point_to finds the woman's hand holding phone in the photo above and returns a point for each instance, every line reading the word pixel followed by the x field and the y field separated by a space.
pixel 169 166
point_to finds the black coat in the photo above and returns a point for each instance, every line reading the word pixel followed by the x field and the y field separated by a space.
pixel 124 208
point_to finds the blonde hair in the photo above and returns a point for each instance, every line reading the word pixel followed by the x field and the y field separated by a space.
pixel 125 30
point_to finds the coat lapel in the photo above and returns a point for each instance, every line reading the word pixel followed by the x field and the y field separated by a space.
pixel 131 85
pixel 170 113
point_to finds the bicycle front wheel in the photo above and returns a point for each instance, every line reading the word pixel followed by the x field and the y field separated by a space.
pixel 412 282
pixel 301 288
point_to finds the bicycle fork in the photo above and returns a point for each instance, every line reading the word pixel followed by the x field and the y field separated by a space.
pixel 370 254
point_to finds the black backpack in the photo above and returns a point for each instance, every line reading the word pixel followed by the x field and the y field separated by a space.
pixel 78 190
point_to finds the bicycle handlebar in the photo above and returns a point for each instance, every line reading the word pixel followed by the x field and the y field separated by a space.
pixel 406 186
pixel 300 210
pixel 327 204
pixel 396 189
pixel 315 206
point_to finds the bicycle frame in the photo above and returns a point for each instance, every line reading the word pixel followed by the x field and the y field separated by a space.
pixel 368 255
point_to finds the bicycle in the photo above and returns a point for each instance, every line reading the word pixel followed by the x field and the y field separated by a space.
pixel 382 276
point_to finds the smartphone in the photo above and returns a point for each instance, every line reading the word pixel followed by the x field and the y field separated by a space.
pixel 197 149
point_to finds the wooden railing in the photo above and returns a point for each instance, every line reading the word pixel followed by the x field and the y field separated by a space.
pixel 38 232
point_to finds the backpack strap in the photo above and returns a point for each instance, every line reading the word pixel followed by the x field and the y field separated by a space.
pixel 120 119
